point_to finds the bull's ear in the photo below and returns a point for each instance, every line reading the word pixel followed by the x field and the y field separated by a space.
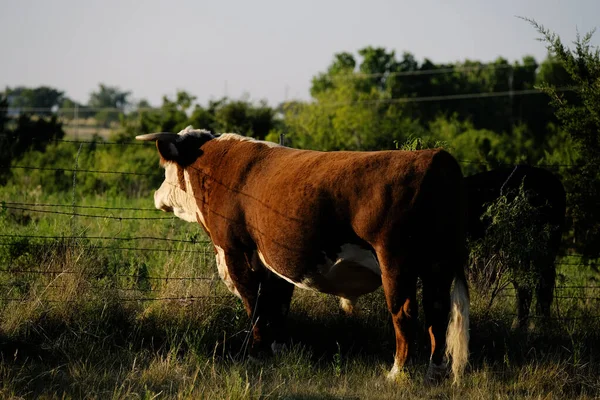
pixel 182 149
pixel 167 150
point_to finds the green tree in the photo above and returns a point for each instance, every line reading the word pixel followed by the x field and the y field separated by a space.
pixel 41 100
pixel 72 109
pixel 204 117
pixel 5 155
pixel 171 116
pixel 27 133
pixel 241 116
pixel 238 116
pixel 469 91
pixel 344 118
pixel 578 112
pixel 3 112
pixel 343 65
pixel 376 65
pixel 109 103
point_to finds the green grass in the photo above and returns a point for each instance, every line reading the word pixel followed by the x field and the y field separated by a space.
pixel 89 327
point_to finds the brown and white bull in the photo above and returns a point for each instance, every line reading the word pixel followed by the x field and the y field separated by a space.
pixel 342 223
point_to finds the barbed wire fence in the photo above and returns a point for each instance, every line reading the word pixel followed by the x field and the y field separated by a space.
pixel 193 246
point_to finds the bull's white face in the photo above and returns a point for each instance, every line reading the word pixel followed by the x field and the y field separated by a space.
pixel 176 194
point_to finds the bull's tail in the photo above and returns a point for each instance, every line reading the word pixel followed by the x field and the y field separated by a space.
pixel 457 335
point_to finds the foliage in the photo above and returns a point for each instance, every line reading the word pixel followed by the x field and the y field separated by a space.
pixel 28 134
pixel 513 241
pixel 418 143
pixel 3 113
pixel 172 116
pixel 560 150
pixel 132 170
pixel 579 114
pixel 482 149
pixel 109 103
pixel 464 91
pixel 109 97
pixel 344 118
pixel 34 134
pixel 40 100
pixel 5 156
pixel 70 109
pixel 239 116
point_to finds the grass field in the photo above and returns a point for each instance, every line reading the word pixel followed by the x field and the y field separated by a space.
pixel 84 317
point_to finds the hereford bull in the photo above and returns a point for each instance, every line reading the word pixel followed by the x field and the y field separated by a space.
pixel 342 223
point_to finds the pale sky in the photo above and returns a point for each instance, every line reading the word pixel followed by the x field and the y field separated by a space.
pixel 268 49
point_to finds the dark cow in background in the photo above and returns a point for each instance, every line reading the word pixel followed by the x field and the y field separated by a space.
pixel 342 223
pixel 544 190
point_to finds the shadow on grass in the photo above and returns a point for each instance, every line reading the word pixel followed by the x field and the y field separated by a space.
pixel 51 354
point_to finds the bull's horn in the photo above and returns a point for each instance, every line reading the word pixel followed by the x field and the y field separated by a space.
pixel 164 136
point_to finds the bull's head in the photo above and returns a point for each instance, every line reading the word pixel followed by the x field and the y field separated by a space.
pixel 178 151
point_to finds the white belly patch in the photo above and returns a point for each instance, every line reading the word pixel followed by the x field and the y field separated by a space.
pixel 302 284
pixel 358 255
pixel 354 272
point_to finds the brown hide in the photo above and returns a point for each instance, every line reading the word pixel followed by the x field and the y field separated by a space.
pixel 298 206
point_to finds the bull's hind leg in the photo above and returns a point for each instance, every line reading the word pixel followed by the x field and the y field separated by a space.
pixel 545 288
pixel 524 294
pixel 399 280
pixel 436 304
pixel 273 305
pixel 266 299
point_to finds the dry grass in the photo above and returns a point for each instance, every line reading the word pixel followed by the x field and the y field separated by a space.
pixel 175 350
pixel 85 129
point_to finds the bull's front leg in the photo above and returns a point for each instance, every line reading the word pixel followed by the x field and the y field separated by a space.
pixel 266 299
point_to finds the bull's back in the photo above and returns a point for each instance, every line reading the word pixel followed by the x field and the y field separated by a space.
pixel 348 179
pixel 366 194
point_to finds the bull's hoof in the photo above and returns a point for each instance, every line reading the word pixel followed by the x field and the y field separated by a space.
pixel 436 373
pixel 278 348
pixel 397 375
pixel 259 356
pixel 256 360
